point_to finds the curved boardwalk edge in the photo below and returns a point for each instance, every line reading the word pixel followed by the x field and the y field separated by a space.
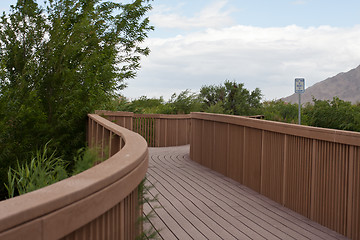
pixel 81 206
pixel 195 202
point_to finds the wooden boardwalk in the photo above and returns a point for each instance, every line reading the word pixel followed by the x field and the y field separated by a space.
pixel 197 203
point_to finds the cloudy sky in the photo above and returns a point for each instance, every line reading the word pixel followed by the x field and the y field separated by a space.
pixel 261 43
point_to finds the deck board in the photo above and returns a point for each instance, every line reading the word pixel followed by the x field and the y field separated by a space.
pixel 195 202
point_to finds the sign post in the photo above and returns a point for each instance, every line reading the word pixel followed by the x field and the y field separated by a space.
pixel 299 88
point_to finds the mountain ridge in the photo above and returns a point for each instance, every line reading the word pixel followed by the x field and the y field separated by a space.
pixel 344 85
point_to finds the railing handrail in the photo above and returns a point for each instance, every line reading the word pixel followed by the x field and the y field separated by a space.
pixel 331 135
pixel 34 211
pixel 159 130
pixel 149 115
pixel 164 116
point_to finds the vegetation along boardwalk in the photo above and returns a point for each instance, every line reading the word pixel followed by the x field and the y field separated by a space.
pixel 197 203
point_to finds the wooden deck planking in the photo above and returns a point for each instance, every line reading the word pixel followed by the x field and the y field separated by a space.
pixel 198 203
pixel 182 210
pixel 223 208
pixel 203 207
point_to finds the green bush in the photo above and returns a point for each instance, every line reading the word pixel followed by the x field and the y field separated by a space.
pixel 85 159
pixel 280 111
pixel 230 98
pixel 335 114
pixel 43 169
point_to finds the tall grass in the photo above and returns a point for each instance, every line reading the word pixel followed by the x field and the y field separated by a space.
pixel 43 169
pixel 85 159
pixel 145 197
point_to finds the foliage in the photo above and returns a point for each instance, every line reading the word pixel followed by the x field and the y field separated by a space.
pixel 140 105
pixel 145 197
pixel 229 98
pixel 85 159
pixel 43 169
pixel 216 108
pixel 335 114
pixel 280 111
pixel 183 103
pixel 60 62
pixel 232 97
pixel 212 94
pixel 146 105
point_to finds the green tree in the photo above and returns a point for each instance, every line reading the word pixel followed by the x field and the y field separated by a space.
pixel 147 105
pixel 232 97
pixel 212 94
pixel 183 103
pixel 239 101
pixel 280 111
pixel 335 114
pixel 58 63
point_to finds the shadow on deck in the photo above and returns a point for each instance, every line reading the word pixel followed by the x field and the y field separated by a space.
pixel 197 203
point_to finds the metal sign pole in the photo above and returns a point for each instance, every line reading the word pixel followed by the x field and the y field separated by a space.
pixel 299 88
pixel 299 108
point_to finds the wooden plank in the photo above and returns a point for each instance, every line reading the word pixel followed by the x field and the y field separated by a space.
pixel 186 211
pixel 210 202
pixel 206 204
pixel 236 152
pixel 188 224
pixel 220 148
pixel 237 207
pixel 252 158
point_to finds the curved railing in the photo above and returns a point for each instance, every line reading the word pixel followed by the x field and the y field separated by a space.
pixel 159 130
pixel 100 203
pixel 313 171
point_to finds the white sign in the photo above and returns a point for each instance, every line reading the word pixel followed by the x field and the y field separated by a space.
pixel 299 85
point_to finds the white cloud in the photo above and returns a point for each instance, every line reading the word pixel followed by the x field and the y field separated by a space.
pixel 268 58
pixel 211 16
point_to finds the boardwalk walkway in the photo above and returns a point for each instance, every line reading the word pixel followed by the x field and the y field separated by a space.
pixel 197 203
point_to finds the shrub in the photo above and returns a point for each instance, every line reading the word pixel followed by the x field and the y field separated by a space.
pixel 85 159
pixel 43 169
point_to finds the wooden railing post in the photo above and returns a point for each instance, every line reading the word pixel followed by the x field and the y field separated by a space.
pixel 284 178
pixel 313 179
pixel 262 170
pixel 228 150
pixel 166 133
pixel 350 193
pixel 244 156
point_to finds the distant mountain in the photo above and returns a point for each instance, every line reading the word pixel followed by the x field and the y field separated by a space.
pixel 346 86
